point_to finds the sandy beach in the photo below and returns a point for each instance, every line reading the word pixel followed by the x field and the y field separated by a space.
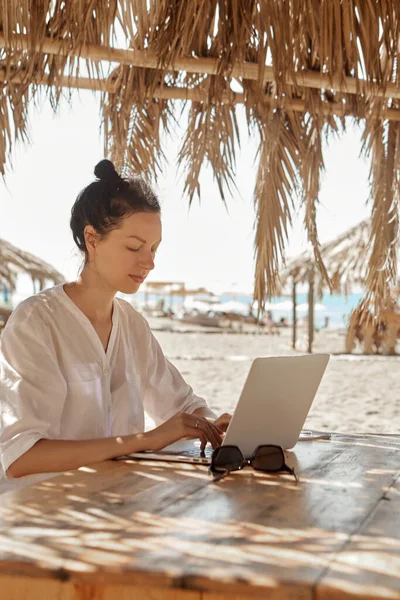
pixel 358 393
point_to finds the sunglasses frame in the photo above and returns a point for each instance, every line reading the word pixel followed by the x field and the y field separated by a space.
pixel 249 462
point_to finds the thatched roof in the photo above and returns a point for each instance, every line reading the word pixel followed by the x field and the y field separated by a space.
pixel 14 261
pixel 301 67
pixel 346 260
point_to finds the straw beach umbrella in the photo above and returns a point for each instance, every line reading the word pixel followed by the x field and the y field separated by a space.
pixel 346 259
pixel 299 68
pixel 14 261
pixel 172 288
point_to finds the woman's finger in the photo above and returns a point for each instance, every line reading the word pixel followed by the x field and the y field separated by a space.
pixel 207 427
pixel 195 433
pixel 211 431
pixel 212 434
pixel 205 422
pixel 206 431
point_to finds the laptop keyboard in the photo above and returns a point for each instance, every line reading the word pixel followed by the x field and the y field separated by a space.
pixel 195 453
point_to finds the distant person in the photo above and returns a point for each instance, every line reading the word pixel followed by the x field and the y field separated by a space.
pixel 78 366
pixel 283 322
pixel 268 322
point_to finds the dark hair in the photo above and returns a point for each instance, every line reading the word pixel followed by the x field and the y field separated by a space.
pixel 105 202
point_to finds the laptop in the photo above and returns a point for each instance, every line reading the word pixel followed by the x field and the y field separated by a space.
pixel 273 406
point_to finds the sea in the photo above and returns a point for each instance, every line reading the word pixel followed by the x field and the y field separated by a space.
pixel 332 311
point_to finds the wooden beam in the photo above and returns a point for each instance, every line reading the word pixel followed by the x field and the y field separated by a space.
pixel 193 94
pixel 211 66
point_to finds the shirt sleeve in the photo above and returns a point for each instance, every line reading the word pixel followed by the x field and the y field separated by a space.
pixel 167 393
pixel 32 388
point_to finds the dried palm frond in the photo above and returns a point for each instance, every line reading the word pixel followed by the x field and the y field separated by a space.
pixel 14 260
pixel 213 28
pixel 276 186
pixel 311 167
pixel 382 141
pixel 14 102
pixel 211 135
pixel 136 19
pixel 345 258
pixel 324 58
pixel 133 121
pixel 185 28
pixel 6 138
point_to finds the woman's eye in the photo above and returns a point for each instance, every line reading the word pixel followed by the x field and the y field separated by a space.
pixel 133 249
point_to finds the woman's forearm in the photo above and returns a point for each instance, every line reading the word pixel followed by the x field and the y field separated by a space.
pixel 52 456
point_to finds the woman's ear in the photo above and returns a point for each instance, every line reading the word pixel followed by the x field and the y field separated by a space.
pixel 91 239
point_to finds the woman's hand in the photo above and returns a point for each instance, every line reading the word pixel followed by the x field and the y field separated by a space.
pixel 185 426
pixel 223 421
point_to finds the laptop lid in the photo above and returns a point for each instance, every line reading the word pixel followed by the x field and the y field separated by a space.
pixel 275 401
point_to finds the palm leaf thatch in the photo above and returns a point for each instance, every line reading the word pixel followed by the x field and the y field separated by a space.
pixel 346 259
pixel 211 136
pixel 302 68
pixel 276 185
pixel 382 140
pixel 14 261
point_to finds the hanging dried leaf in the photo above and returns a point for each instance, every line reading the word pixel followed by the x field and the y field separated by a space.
pixel 276 186
pixel 354 44
pixel 382 142
pixel 211 136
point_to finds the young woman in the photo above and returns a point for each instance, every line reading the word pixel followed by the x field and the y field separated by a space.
pixel 78 366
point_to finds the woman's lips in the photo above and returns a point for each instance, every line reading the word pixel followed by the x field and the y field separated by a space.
pixel 137 279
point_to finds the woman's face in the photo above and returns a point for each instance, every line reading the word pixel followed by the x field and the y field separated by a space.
pixel 123 258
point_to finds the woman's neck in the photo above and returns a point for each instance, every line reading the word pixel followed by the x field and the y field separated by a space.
pixel 91 297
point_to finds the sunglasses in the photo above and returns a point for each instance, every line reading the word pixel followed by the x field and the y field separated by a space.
pixel 266 458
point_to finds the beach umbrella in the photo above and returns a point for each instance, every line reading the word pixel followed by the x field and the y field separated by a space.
pixel 347 259
pixel 14 261
pixel 208 297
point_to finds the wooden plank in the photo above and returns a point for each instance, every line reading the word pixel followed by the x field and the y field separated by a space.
pixel 16 588
pixel 246 70
pixel 199 95
pixel 369 564
pixel 166 525
pixel 108 482
pixel 81 504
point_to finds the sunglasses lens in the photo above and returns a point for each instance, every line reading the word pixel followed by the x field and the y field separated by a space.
pixel 268 458
pixel 226 458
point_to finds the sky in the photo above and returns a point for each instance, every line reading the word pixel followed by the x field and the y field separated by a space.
pixel 204 246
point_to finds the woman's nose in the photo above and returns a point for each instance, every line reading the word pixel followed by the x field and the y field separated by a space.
pixel 148 261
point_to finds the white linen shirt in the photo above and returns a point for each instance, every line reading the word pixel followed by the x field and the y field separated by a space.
pixel 57 382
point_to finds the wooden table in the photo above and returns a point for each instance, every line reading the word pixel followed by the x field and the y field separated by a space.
pixel 165 531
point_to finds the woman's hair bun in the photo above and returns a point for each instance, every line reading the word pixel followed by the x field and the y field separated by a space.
pixel 105 171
